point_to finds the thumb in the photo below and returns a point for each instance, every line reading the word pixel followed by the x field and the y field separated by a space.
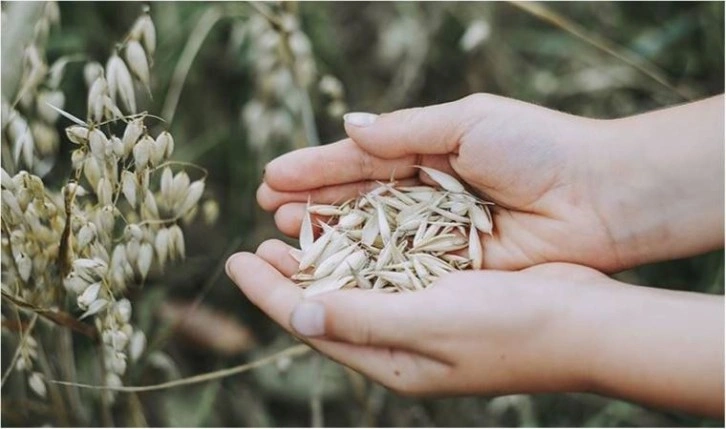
pixel 431 130
pixel 357 317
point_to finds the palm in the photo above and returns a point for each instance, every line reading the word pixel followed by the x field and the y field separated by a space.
pixel 399 341
pixel 543 212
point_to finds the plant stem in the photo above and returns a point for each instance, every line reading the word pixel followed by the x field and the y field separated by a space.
pixel 548 15
pixel 68 371
pixel 56 398
pixel 56 316
pixel 204 26
pixel 18 351
pixel 316 403
pixel 214 375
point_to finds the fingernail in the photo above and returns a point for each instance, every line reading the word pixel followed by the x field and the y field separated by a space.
pixel 227 264
pixel 360 119
pixel 308 319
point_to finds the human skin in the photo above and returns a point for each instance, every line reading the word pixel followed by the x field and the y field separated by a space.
pixel 609 194
pixel 549 328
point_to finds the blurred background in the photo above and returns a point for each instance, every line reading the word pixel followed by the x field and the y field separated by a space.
pixel 240 83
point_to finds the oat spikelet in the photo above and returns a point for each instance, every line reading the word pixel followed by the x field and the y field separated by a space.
pixel 306 231
pixel 393 238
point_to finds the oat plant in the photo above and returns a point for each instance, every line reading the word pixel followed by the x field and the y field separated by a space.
pixel 70 256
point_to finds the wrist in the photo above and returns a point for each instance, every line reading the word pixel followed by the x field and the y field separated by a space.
pixel 557 357
pixel 656 191
pixel 658 347
pixel 619 183
pixel 575 336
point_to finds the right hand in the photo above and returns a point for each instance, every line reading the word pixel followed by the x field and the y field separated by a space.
pixel 531 161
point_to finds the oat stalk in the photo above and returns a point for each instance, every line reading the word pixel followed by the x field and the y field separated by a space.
pixel 291 352
pixel 191 49
pixel 546 14
pixel 19 349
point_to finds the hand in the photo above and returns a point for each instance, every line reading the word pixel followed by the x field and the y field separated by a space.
pixel 554 327
pixel 527 159
pixel 606 194
pixel 472 332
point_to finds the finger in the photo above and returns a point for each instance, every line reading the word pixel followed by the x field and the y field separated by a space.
pixel 264 286
pixel 277 254
pixel 332 164
pixel 366 318
pixel 430 130
pixel 288 219
pixel 277 296
pixel 354 316
pixel 271 199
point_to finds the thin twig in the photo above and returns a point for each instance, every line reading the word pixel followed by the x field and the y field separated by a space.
pixel 200 32
pixel 56 399
pixel 263 10
pixel 548 15
pixel 214 375
pixel 68 370
pixel 18 351
pixel 56 316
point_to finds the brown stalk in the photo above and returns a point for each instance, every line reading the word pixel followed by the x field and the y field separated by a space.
pixel 56 316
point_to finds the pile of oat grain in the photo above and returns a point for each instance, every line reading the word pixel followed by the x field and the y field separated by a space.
pixel 394 238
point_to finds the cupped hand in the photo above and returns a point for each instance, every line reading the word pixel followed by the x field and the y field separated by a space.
pixel 531 161
pixel 484 332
